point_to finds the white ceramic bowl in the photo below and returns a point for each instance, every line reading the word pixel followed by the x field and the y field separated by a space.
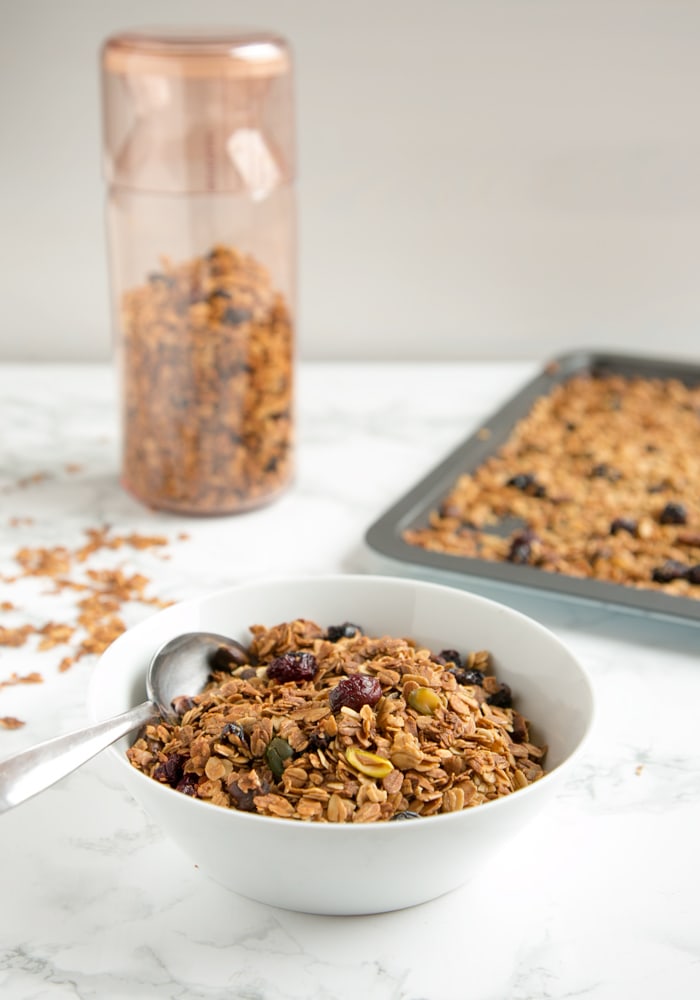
pixel 356 868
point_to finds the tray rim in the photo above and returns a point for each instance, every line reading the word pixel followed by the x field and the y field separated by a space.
pixel 383 537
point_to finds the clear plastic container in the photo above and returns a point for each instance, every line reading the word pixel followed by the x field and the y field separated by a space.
pixel 199 159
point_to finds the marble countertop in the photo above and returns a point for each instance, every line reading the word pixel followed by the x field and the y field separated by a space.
pixel 600 897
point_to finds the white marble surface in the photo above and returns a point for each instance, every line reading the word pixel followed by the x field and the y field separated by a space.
pixel 599 898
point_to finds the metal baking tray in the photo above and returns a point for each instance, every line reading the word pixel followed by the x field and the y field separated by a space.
pixel 389 552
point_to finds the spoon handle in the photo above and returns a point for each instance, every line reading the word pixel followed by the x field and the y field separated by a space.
pixel 33 770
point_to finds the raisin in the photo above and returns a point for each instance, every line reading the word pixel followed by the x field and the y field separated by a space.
pixel 345 631
pixel 294 666
pixel 502 698
pixel 354 692
pixel 672 569
pixel 673 513
pixel 623 524
pixel 405 814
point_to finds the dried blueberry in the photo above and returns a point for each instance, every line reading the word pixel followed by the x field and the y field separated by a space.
pixel 243 800
pixel 604 471
pixel 466 676
pixel 502 698
pixel 672 569
pixel 345 631
pixel 527 483
pixel 233 316
pixel 623 524
pixel 233 730
pixel 405 814
pixel 673 513
pixel 182 703
pixel 450 656
pixel 226 657
pixel 520 551
pixel 294 666
pixel 354 692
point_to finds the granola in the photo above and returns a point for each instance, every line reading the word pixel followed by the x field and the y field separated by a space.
pixel 338 726
pixel 600 480
pixel 207 377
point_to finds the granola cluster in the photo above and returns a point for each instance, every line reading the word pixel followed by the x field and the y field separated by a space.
pixel 338 726
pixel 600 480
pixel 207 378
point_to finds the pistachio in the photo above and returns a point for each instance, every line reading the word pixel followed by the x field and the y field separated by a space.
pixel 424 700
pixel 368 763
pixel 276 752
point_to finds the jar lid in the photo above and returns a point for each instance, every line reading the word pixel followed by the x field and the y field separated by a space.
pixel 198 111
pixel 196 53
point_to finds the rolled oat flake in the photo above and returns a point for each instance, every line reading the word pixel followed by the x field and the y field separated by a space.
pixel 199 162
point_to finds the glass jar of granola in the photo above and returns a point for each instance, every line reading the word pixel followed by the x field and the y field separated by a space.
pixel 199 159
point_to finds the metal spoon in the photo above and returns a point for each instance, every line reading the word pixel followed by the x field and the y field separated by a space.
pixel 182 666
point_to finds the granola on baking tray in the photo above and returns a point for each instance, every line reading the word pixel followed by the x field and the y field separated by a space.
pixel 337 726
pixel 600 480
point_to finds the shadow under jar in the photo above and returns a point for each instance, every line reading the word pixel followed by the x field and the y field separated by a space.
pixel 199 151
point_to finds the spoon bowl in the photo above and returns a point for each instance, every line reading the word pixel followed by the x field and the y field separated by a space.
pixel 180 668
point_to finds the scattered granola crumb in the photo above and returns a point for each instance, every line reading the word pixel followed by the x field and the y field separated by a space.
pixel 9 722
pixel 101 595
pixel 32 678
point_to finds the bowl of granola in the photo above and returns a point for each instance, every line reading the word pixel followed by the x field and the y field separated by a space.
pixel 352 726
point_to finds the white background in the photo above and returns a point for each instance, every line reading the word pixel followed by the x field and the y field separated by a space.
pixel 477 179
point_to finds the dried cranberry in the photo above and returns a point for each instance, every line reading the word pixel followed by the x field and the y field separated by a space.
pixel 188 784
pixel 466 676
pixel 673 513
pixel 623 524
pixel 294 666
pixel 502 698
pixel 170 771
pixel 345 631
pixel 354 692
pixel 672 569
